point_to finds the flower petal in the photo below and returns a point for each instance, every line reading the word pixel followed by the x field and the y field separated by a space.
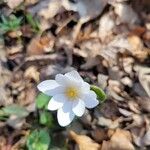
pixel 47 85
pixel 61 79
pixel 65 81
pixel 74 75
pixel 65 115
pixel 90 100
pixel 55 91
pixel 85 87
pixel 56 102
pixel 78 107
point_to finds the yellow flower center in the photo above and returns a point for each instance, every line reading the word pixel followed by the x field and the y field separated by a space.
pixel 71 93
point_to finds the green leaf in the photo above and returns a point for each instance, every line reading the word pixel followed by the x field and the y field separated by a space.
pixel 15 110
pixel 46 118
pixel 42 100
pixel 33 22
pixel 99 92
pixel 38 140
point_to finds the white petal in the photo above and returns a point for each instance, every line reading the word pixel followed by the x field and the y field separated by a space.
pixel 56 102
pixel 47 85
pixel 61 79
pixel 66 81
pixel 78 107
pixel 65 115
pixel 74 75
pixel 90 100
pixel 55 91
pixel 85 87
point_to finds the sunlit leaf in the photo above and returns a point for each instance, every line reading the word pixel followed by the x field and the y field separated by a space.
pixel 99 92
pixel 42 100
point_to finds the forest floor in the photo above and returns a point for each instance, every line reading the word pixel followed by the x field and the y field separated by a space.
pixel 106 41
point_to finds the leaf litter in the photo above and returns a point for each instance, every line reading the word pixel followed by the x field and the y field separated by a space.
pixel 106 41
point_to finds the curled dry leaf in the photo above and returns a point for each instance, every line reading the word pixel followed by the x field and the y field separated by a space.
pixel 32 73
pixel 84 142
pixel 137 48
pixel 120 140
pixel 40 45
pixel 102 80
pixel 102 121
pixel 114 90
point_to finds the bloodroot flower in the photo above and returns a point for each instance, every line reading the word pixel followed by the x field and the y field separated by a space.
pixel 70 95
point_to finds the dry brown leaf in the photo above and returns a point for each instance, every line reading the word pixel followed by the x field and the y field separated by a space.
pixel 52 8
pixel 32 73
pixel 112 124
pixel 102 80
pixel 144 77
pixel 84 142
pixel 99 134
pixel 115 89
pixel 128 65
pixel 86 9
pixel 120 140
pixel 137 48
pixel 13 3
pixel 144 103
pixel 40 45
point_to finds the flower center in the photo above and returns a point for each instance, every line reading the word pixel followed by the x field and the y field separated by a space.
pixel 71 92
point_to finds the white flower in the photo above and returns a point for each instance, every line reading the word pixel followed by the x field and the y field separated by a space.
pixel 70 95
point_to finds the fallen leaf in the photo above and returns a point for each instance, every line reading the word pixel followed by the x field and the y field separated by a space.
pixel 137 48
pixel 87 9
pixel 144 103
pixel 102 121
pixel 120 140
pixel 123 10
pixel 84 142
pixel 106 24
pixel 15 122
pixel 146 138
pixel 13 4
pixel 40 45
pixel 32 73
pixel 99 135
pixel 144 77
pixel 52 8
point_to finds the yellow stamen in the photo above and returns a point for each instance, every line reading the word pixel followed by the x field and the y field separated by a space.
pixel 71 92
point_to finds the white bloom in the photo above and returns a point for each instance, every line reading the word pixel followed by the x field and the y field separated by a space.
pixel 70 95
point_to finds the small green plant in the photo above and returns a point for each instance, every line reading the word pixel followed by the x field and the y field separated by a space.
pixel 11 23
pixel 38 140
pixel 33 22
